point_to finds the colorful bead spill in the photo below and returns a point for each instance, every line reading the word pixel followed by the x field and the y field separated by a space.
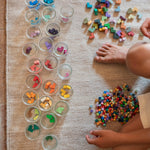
pixel 31 96
pixel 46 102
pixel 101 7
pixel 118 104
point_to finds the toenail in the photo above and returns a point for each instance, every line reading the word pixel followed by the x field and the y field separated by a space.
pixel 96 58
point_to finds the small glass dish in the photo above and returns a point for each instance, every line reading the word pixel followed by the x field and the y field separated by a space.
pixel 33 32
pixel 33 81
pixel 48 14
pixel 48 120
pixel 29 49
pixel 46 44
pixel 65 92
pixel 50 63
pixel 45 103
pixel 61 108
pixel 35 65
pixel 66 14
pixel 32 114
pixel 47 2
pixel 64 71
pixel 50 87
pixel 32 3
pixel 32 16
pixel 30 97
pixel 32 131
pixel 49 142
pixel 61 50
pixel 53 30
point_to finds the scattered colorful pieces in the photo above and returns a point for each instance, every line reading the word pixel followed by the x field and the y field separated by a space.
pixel 102 7
pixel 91 109
pixel 88 5
pixel 118 104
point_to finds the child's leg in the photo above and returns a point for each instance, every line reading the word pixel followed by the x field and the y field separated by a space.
pixel 133 124
pixel 132 147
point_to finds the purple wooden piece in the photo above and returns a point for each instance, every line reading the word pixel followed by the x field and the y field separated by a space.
pixel 107 4
pixel 48 45
pixel 119 33
pixel 28 50
pixel 122 18
pixel 98 6
pixel 91 111
pixel 107 15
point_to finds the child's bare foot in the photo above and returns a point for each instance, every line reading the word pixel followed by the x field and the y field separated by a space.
pixel 111 54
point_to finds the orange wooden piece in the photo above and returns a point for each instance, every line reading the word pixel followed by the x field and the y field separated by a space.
pixel 91 36
pixel 52 91
pixel 47 85
pixel 123 34
pixel 53 86
pixel 123 26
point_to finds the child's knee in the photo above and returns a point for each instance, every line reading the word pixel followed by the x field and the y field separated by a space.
pixel 138 59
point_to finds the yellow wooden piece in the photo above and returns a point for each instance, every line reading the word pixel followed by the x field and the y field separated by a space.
pixel 66 95
pixel 135 9
pixel 28 95
pixel 36 117
pixel 99 10
pixel 89 23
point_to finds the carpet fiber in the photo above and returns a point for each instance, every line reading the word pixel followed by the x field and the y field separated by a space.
pixel 89 79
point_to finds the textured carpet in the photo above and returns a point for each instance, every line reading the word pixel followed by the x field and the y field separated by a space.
pixel 89 79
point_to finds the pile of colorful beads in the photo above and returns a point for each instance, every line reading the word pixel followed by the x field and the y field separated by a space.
pixel 101 7
pixel 118 104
